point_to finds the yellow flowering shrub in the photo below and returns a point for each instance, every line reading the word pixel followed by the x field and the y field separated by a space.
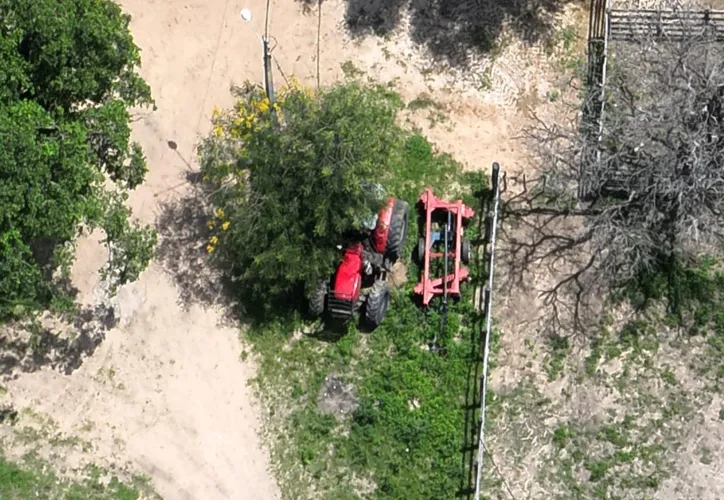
pixel 284 178
pixel 230 129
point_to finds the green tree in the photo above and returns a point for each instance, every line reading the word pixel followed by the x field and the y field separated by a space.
pixel 67 79
pixel 291 184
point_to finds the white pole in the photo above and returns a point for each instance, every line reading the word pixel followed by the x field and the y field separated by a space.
pixel 488 321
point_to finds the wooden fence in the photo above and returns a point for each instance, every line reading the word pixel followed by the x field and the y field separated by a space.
pixel 632 25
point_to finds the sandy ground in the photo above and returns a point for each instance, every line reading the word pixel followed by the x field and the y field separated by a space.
pixel 166 391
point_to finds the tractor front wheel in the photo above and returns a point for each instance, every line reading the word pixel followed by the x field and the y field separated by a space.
pixel 377 302
pixel 398 230
pixel 317 300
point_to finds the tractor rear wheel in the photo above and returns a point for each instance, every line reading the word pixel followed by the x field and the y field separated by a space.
pixel 317 300
pixel 465 251
pixel 398 230
pixel 376 306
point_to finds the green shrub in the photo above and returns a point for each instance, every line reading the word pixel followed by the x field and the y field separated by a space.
pixel 34 479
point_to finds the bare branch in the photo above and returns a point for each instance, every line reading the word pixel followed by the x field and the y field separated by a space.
pixel 654 178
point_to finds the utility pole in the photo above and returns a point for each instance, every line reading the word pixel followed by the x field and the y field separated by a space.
pixel 268 81
pixel 267 59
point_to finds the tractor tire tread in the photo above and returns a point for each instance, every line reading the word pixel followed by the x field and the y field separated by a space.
pixel 398 230
pixel 376 304
pixel 465 252
pixel 317 300
pixel 421 242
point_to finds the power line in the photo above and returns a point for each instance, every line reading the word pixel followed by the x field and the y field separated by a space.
pixel 213 65
pixel 281 71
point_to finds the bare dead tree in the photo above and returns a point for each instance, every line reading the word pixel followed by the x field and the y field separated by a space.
pixel 654 177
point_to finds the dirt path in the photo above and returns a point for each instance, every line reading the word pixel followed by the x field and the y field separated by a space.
pixel 166 391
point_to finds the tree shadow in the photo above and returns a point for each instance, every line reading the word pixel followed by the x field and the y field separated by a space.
pixel 451 29
pixel 544 254
pixel 44 252
pixel 29 347
pixel 183 235
pixel 201 277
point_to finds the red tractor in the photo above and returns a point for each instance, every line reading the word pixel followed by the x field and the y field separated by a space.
pixel 360 281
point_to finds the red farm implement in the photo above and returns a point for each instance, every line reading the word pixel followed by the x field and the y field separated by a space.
pixel 443 239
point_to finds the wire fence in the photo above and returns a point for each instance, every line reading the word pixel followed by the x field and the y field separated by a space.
pixel 598 40
pixel 605 25
pixel 487 299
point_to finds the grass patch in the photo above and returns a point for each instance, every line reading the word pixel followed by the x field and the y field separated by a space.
pixel 558 349
pixel 33 479
pixel 436 110
pixel 485 79
pixel 553 95
pixel 561 436
pixel 594 358
pixel 668 376
pixel 567 49
pixel 694 295
pixel 705 455
pixel 404 439
pixel 629 443
pixel 610 457
pixel 422 101
pixel 516 415
pixel 621 456
pixel 350 70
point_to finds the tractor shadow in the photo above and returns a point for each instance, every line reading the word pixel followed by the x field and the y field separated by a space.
pixel 331 331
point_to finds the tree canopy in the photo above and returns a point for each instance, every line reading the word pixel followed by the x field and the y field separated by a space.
pixel 291 183
pixel 68 76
